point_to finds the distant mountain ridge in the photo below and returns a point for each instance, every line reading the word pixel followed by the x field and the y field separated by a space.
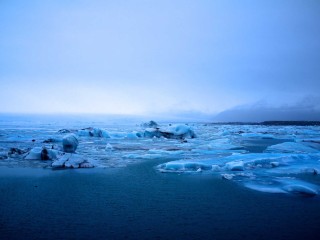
pixel 256 114
pixel 273 123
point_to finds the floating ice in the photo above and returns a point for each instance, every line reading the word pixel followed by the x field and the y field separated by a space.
pixel 235 166
pixel 222 143
pixel 41 153
pixel 109 147
pixel 183 167
pixel 227 176
pixel 285 185
pixel 253 156
pixel 134 135
pixel 93 132
pixel 300 189
pixel 257 135
pixel 72 160
pixel 70 143
pixel 151 124
pixel 176 132
pixel 290 147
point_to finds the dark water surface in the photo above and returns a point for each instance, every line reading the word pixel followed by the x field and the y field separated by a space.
pixel 138 202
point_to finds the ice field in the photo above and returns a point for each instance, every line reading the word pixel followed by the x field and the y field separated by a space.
pixel 274 159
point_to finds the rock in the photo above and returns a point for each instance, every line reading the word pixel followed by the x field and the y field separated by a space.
pixel 3 155
pixel 44 154
pixel 15 151
pixel 70 143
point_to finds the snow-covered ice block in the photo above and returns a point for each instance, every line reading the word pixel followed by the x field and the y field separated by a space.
pixel 150 124
pixel 133 135
pixel 152 132
pixel 70 143
pixel 42 153
pixel 176 132
pixel 72 160
pixel 93 132
pixel 227 176
pixel 182 166
pixel 235 166
pixel 109 147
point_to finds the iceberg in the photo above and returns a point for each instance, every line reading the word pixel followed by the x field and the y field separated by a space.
pixel 150 124
pixel 93 132
pixel 173 132
pixel 70 143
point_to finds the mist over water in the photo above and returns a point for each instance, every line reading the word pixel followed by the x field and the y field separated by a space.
pixel 148 58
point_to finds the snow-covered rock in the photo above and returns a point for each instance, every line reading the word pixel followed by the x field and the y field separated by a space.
pixel 70 143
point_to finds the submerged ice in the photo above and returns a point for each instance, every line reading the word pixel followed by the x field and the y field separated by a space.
pixel 274 159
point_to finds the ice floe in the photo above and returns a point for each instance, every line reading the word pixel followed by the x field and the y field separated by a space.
pixel 290 147
pixel 41 153
pixel 72 160
pixel 179 131
pixel 278 159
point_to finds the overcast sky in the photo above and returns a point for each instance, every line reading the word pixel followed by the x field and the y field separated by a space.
pixel 137 57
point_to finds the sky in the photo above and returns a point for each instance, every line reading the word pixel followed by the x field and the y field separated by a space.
pixel 153 57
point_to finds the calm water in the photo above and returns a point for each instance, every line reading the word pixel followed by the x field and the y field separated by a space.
pixel 161 188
